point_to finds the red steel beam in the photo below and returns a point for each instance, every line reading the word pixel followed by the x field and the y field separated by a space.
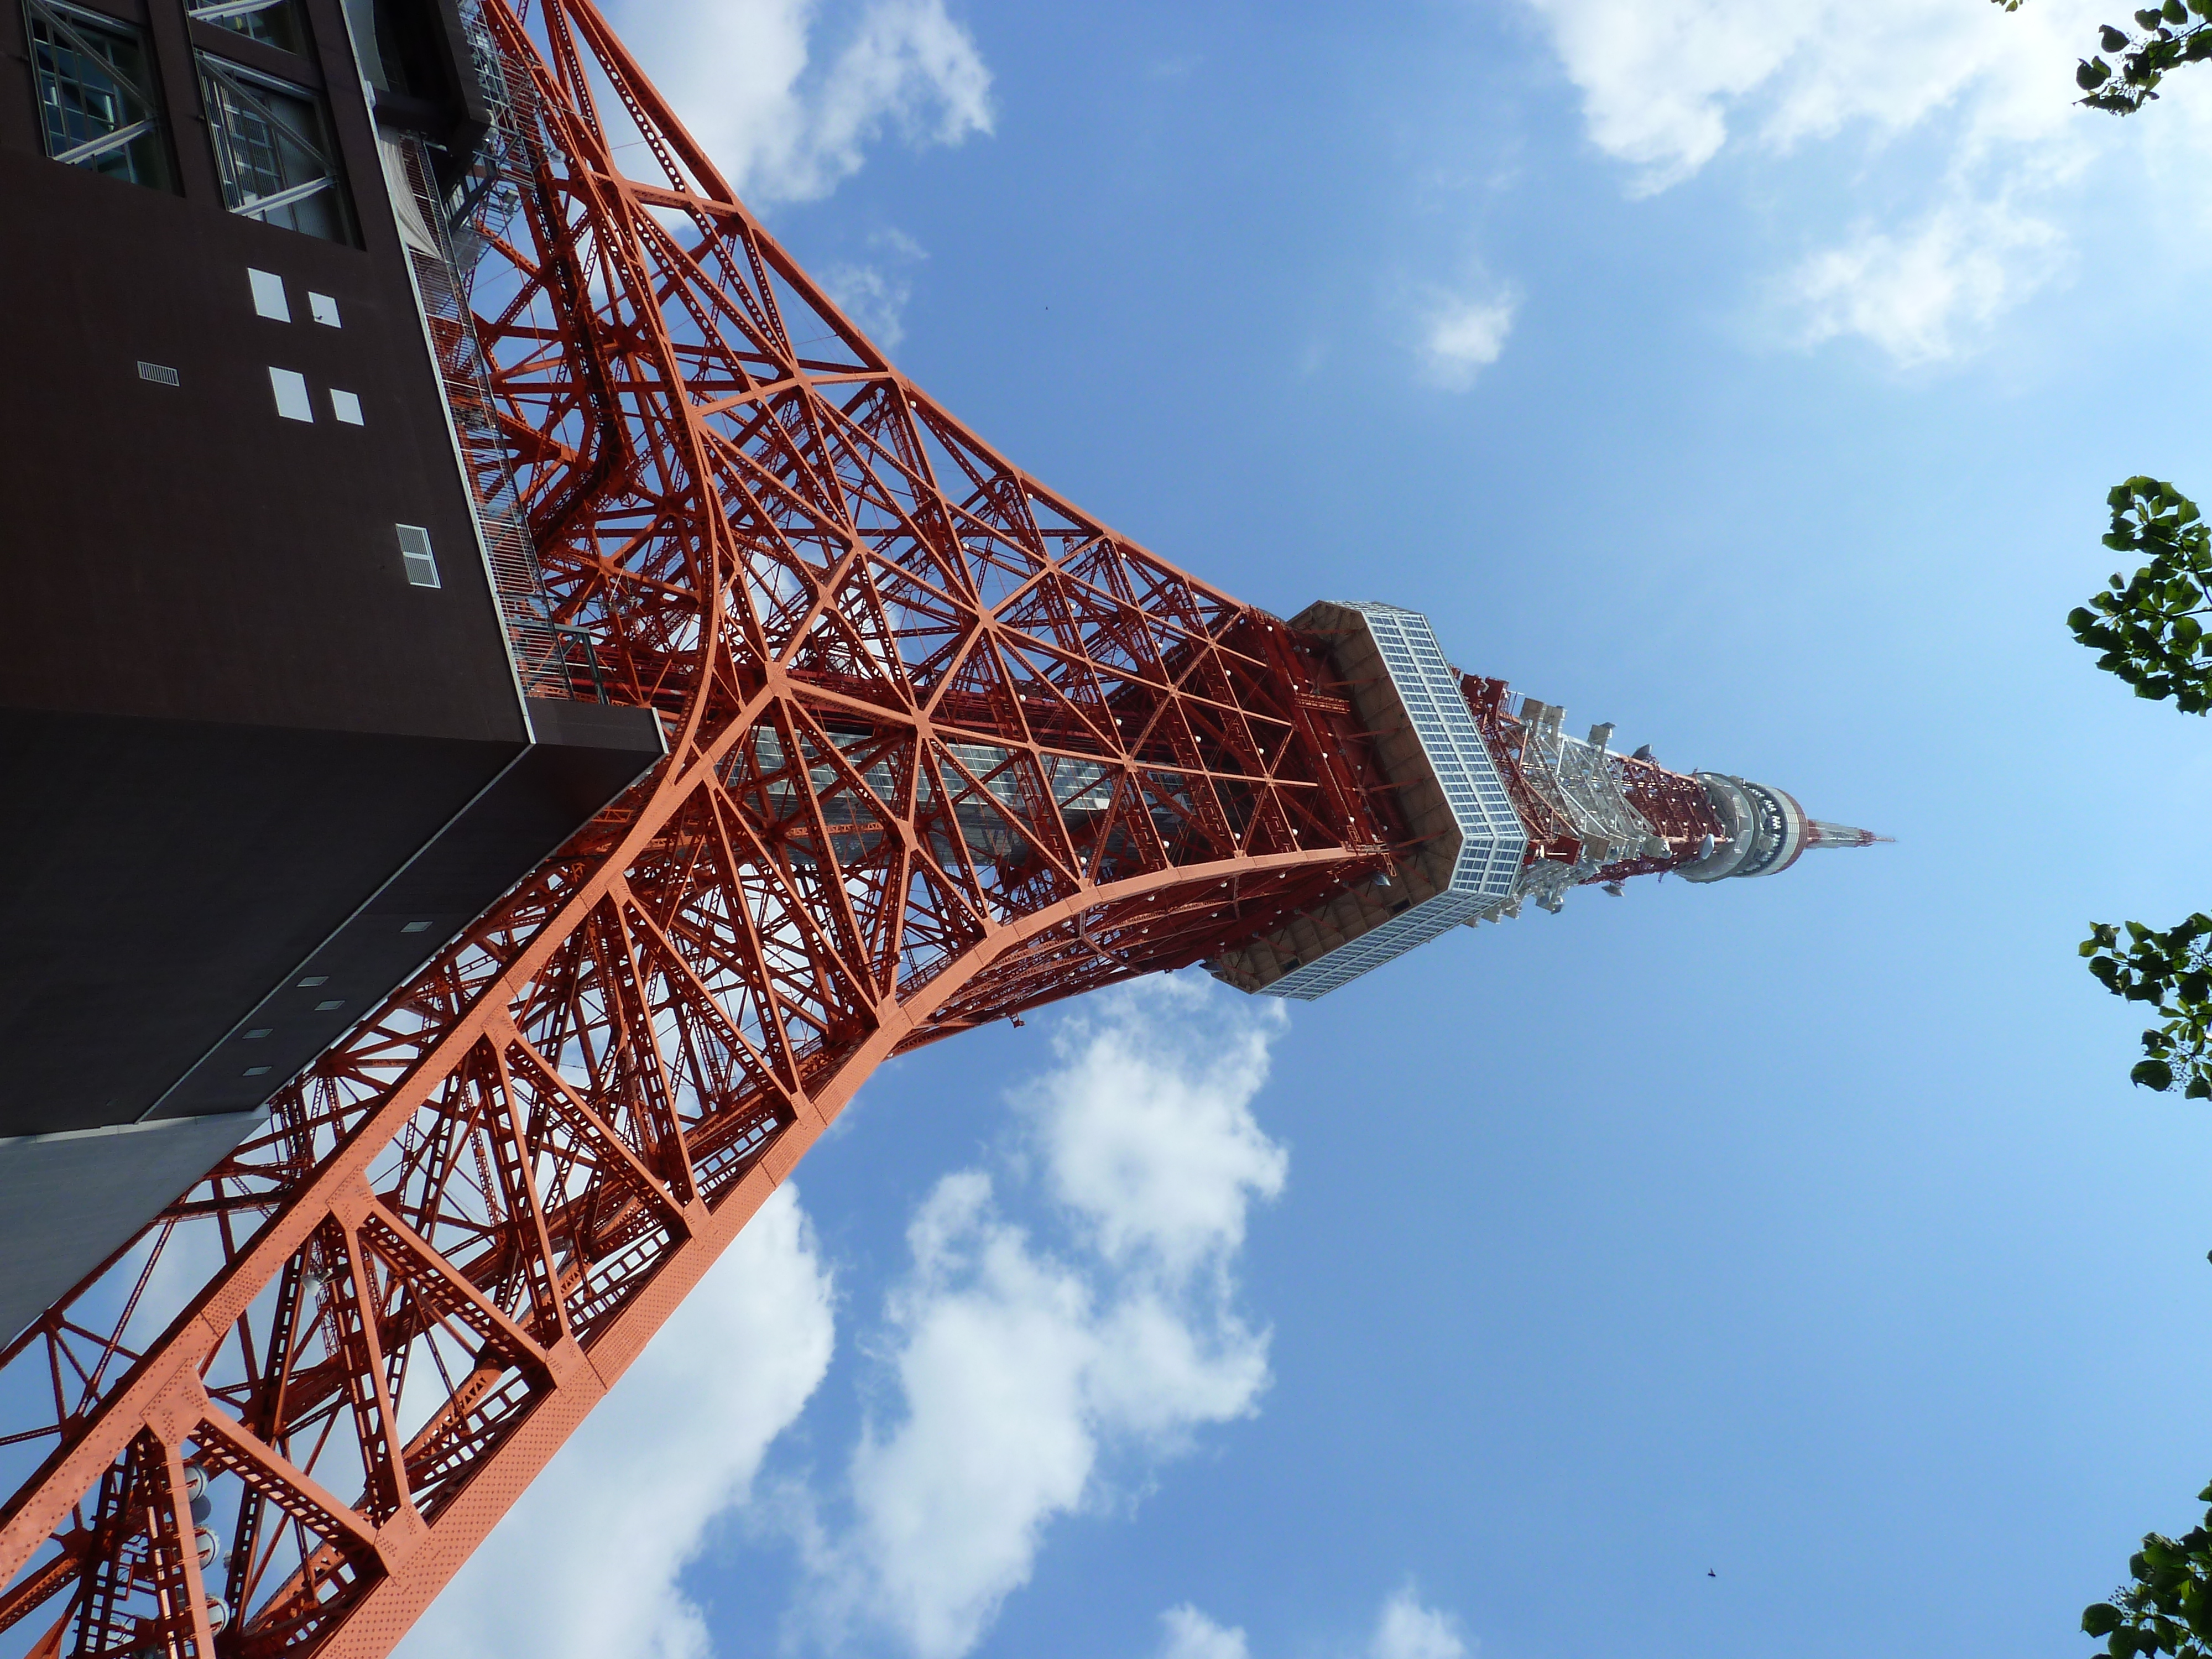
pixel 943 749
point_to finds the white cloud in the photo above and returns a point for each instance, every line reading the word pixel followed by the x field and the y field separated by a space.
pixel 1406 1630
pixel 872 296
pixel 1192 1635
pixel 585 1564
pixel 995 1345
pixel 1916 295
pixel 1148 1136
pixel 1661 80
pixel 1022 1371
pixel 743 76
pixel 1462 336
pixel 1666 84
pixel 1656 78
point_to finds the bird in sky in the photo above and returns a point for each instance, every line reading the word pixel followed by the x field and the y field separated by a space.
pixel 1710 1573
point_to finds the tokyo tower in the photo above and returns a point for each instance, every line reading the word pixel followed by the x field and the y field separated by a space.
pixel 848 735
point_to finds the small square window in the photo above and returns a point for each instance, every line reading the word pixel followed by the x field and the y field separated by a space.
pixel 416 927
pixel 345 406
pixel 159 373
pixel 334 1004
pixel 291 389
pixel 257 1071
pixel 322 308
pixel 96 98
pixel 269 294
pixel 316 979
pixel 423 571
pixel 258 1033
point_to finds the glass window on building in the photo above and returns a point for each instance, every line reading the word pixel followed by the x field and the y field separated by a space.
pixel 273 148
pixel 96 97
pixel 273 22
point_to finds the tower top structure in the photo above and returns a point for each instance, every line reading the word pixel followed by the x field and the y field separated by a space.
pixel 1500 807
pixel 917 744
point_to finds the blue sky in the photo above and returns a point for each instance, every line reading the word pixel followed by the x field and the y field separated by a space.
pixel 1749 375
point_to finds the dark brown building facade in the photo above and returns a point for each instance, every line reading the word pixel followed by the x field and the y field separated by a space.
pixel 264 743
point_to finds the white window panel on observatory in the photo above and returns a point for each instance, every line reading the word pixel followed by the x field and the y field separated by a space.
pixel 1492 837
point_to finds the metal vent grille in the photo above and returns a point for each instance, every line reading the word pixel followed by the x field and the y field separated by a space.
pixel 422 565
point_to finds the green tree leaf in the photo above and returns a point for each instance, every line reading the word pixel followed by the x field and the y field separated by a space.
pixel 2172 971
pixel 2148 631
pixel 2173 33
pixel 2167 1606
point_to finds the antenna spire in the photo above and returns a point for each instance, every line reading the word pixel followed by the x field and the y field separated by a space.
pixel 1818 835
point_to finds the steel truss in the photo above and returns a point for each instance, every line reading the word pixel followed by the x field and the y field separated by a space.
pixel 1611 817
pixel 943 749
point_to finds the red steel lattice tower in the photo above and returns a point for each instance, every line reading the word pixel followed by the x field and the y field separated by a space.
pixel 942 749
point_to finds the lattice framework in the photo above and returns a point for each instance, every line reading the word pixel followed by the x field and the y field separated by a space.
pixel 943 749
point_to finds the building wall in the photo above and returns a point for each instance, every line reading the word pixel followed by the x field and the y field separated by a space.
pixel 235 738
pixel 251 777
pixel 188 552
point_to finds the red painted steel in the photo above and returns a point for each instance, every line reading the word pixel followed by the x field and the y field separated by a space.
pixel 1673 804
pixel 943 749
pixel 1550 835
